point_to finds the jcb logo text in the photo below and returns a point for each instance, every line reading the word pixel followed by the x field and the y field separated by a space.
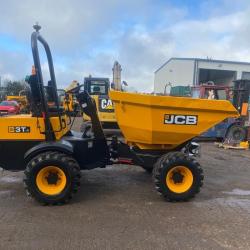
pixel 181 119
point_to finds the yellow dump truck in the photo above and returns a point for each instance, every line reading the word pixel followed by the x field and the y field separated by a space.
pixel 21 100
pixel 70 102
pixel 158 132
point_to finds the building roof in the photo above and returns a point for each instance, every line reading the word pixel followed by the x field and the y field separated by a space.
pixel 201 60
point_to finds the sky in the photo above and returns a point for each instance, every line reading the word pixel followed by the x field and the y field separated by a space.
pixel 87 36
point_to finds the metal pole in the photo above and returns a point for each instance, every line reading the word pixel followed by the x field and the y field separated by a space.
pixel 117 75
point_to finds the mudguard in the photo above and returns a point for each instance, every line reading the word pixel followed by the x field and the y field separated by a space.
pixel 60 146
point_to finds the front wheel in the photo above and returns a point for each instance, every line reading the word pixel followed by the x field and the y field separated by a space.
pixel 177 176
pixel 52 178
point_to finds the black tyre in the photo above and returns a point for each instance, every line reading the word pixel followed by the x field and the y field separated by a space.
pixel 177 176
pixel 236 133
pixel 52 178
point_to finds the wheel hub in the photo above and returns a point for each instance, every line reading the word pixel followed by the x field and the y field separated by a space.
pixel 52 178
pixel 177 177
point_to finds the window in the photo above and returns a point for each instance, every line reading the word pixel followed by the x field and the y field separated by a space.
pixel 245 75
pixel 98 88
pixel 221 94
pixel 196 93
pixel 6 103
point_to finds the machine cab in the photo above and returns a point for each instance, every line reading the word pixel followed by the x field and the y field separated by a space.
pixel 99 88
pixel 96 86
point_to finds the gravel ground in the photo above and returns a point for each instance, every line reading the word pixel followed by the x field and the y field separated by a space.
pixel 118 208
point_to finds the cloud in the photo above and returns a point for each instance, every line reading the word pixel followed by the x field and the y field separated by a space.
pixel 224 37
pixel 68 24
pixel 140 52
pixel 13 65
pixel 86 37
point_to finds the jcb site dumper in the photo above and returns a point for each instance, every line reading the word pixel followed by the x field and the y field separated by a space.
pixel 158 131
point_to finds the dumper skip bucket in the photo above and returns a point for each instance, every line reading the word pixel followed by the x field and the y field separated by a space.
pixel 165 122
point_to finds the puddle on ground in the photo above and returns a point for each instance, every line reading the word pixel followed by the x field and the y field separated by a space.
pixel 235 203
pixel 10 179
pixel 234 200
pixel 238 191
pixel 229 203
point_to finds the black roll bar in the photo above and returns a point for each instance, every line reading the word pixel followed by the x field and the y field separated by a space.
pixel 35 37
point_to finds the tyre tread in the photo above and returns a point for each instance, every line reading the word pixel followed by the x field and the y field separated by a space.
pixel 72 166
pixel 169 159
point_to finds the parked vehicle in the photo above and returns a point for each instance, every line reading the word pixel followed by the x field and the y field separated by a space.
pixel 98 88
pixel 22 101
pixel 238 131
pixel 70 103
pixel 211 92
pixel 9 107
pixel 214 92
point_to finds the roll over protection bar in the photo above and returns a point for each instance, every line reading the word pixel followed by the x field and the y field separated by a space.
pixel 35 37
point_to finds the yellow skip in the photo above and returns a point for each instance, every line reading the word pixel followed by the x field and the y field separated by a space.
pixel 165 122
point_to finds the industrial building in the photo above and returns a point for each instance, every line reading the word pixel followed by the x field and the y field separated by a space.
pixel 196 71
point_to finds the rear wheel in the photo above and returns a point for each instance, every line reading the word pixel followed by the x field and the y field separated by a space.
pixel 177 176
pixel 52 178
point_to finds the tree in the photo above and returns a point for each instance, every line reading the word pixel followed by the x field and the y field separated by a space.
pixel 14 87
